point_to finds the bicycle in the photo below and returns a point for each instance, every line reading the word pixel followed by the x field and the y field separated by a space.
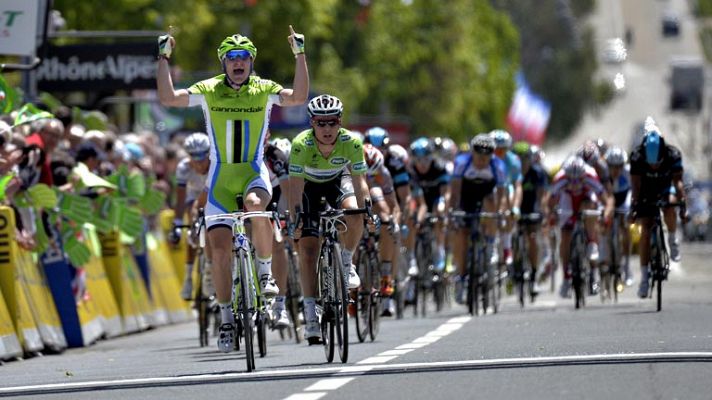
pixel 248 304
pixel 522 270
pixel 480 272
pixel 428 279
pixel 293 300
pixel 332 293
pixel 659 258
pixel 201 302
pixel 580 266
pixel 368 296
pixel 612 279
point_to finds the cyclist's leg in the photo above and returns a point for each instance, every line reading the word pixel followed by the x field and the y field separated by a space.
pixel 258 194
pixel 532 232
pixel 349 239
pixel 507 228
pixel 670 216
pixel 566 222
pixel 624 235
pixel 459 259
pixel 387 240
pixel 645 221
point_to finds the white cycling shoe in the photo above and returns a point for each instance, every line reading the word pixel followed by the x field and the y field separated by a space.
pixel 352 279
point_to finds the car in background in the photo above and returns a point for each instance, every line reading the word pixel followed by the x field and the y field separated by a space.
pixel 670 24
pixel 614 51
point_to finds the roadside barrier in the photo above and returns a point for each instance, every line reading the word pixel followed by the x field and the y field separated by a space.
pixel 177 253
pixel 9 343
pixel 99 290
pixel 165 285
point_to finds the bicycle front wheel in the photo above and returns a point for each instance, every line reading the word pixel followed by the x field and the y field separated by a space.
pixel 363 302
pixel 341 305
pixel 246 309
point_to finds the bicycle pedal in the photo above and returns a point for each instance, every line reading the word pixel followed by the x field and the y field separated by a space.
pixel 313 341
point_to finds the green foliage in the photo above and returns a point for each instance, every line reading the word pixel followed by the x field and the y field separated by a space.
pixel 704 8
pixel 706 40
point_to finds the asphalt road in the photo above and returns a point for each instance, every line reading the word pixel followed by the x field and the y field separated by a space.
pixel 546 350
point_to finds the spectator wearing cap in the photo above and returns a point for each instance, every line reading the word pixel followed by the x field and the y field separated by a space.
pixel 51 132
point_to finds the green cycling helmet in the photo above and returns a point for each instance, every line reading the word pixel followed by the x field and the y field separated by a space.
pixel 521 148
pixel 236 42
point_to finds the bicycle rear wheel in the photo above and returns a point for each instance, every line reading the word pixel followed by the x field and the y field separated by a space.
pixel 472 276
pixel 202 305
pixel 375 300
pixel 262 333
pixel 294 294
pixel 577 255
pixel 656 259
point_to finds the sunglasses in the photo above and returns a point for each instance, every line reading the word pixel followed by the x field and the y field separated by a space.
pixel 199 156
pixel 235 54
pixel 331 122
pixel 483 150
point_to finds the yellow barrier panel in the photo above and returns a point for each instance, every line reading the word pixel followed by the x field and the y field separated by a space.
pixel 99 288
pixel 177 253
pixel 154 314
pixel 11 286
pixel 123 277
pixel 9 344
pixel 39 298
pixel 165 285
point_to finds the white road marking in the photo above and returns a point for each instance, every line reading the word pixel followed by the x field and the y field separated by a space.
pixel 395 352
pixel 328 384
pixel 306 396
pixel 376 360
pixel 427 339
pixel 459 320
pixel 310 372
pixel 411 346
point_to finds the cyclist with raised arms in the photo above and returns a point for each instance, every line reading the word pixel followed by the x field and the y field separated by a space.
pixel 513 195
pixel 327 162
pixel 478 184
pixel 656 175
pixel 431 183
pixel 385 204
pixel 191 177
pixel 236 105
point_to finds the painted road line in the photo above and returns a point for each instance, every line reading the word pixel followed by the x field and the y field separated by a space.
pixel 395 352
pixel 310 373
pixel 412 346
pixel 328 384
pixel 427 339
pixel 306 396
pixel 377 360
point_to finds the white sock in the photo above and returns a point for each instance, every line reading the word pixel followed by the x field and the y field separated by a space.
pixel 309 309
pixel 347 257
pixel 264 266
pixel 279 302
pixel 507 240
pixel 226 313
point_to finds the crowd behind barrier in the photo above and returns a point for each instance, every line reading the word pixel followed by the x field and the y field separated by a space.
pixel 83 213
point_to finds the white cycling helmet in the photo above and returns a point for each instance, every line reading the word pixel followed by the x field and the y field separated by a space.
pixel 374 158
pixel 616 157
pixel 574 167
pixel 502 139
pixel 325 105
pixel 197 143
pixel 283 144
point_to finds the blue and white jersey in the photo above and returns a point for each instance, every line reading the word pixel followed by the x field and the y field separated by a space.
pixel 622 188
pixel 512 168
pixel 477 183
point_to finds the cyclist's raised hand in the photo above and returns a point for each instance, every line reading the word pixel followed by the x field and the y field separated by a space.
pixel 166 44
pixel 296 41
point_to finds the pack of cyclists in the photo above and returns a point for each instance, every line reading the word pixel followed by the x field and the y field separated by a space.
pixel 406 187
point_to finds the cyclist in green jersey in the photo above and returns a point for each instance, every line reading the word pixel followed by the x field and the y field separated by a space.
pixel 326 161
pixel 236 105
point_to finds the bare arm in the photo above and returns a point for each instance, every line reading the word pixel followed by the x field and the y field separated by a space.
pixel 167 95
pixel 361 189
pixel 180 203
pixel 298 95
pixel 296 188
pixel 456 191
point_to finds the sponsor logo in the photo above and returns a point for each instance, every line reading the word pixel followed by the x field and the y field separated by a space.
pixel 296 169
pixel 345 137
pixel 338 161
pixel 309 142
pixel 237 109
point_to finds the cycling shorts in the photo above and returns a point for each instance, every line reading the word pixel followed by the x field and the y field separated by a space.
pixel 227 181
pixel 334 192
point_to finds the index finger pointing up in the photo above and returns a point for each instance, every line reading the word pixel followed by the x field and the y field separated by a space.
pixel 291 30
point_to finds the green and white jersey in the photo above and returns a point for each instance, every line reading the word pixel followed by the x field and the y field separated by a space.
pixel 236 120
pixel 306 161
